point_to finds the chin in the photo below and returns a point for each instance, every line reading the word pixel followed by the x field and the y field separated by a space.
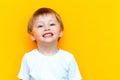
pixel 50 41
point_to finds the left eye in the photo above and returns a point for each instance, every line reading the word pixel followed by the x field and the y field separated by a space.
pixel 52 24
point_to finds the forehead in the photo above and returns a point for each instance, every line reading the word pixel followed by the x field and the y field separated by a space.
pixel 46 17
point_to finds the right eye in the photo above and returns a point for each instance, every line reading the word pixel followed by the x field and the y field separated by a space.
pixel 40 26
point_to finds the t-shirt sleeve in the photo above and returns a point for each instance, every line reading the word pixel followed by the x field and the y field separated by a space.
pixel 74 73
pixel 24 70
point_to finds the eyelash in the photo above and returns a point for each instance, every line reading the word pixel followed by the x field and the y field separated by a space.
pixel 52 24
pixel 43 25
pixel 40 26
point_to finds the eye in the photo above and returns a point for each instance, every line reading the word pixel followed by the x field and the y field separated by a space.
pixel 52 24
pixel 39 26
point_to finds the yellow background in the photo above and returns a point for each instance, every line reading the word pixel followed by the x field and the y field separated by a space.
pixel 92 34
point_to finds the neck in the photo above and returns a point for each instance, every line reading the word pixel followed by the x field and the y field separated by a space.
pixel 48 49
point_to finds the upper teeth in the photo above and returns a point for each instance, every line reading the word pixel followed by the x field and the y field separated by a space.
pixel 47 35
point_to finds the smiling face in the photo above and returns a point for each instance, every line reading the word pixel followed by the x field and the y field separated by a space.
pixel 46 29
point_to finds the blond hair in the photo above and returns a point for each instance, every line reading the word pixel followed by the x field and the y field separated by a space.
pixel 44 11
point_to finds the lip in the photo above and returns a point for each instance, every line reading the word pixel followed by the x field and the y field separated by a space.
pixel 48 34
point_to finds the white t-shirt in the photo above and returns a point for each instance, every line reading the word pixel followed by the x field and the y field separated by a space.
pixel 61 66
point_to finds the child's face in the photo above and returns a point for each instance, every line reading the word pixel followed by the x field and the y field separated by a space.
pixel 46 29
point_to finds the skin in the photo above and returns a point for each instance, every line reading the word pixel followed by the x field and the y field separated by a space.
pixel 46 31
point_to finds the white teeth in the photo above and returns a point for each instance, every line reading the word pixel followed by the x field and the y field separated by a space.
pixel 47 35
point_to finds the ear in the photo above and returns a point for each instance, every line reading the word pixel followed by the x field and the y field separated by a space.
pixel 32 37
pixel 61 33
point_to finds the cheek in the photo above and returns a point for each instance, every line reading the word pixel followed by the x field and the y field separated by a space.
pixel 36 33
pixel 57 31
pixel 57 28
pixel 61 33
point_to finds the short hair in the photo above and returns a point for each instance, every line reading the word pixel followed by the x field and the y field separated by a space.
pixel 44 11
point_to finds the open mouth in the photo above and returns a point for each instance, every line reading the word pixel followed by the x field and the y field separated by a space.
pixel 47 35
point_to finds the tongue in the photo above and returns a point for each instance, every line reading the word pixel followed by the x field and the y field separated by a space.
pixel 48 35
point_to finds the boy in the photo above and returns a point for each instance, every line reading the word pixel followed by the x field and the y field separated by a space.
pixel 47 62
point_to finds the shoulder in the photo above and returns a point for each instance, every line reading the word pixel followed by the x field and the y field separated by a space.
pixel 30 54
pixel 67 55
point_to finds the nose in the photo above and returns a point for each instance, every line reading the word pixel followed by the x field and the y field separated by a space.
pixel 47 28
